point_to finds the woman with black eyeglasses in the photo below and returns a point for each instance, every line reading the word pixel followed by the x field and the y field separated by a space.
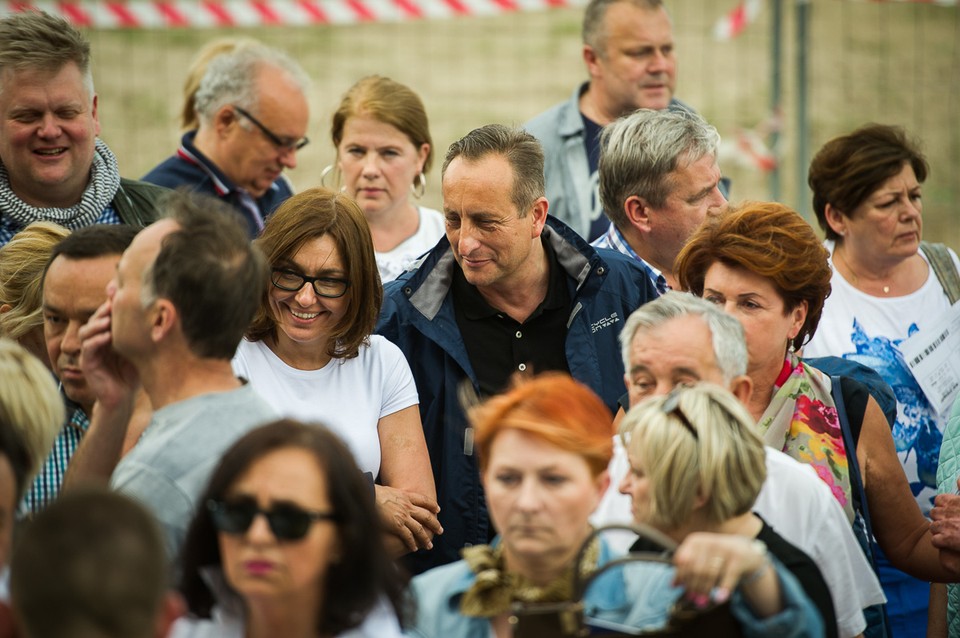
pixel 281 544
pixel 311 355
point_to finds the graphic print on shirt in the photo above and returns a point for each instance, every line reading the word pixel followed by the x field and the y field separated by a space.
pixel 916 428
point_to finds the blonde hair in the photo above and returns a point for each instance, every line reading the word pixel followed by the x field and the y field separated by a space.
pixel 198 68
pixel 389 102
pixel 724 463
pixel 23 261
pixel 29 402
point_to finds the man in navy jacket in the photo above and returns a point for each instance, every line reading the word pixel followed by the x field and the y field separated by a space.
pixel 508 290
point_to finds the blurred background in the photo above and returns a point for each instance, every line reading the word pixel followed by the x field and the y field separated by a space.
pixel 831 65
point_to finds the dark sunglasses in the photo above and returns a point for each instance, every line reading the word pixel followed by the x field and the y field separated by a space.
pixel 671 405
pixel 287 522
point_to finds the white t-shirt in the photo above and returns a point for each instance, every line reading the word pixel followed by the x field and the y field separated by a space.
pixel 349 396
pixel 381 622
pixel 394 262
pixel 869 330
pixel 798 506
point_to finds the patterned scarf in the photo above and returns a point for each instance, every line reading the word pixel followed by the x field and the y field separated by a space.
pixel 802 421
pixel 495 588
pixel 103 185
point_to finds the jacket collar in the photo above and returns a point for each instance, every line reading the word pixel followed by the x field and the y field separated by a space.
pixel 429 285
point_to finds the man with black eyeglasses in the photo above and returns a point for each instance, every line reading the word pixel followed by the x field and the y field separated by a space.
pixel 184 292
pixel 253 116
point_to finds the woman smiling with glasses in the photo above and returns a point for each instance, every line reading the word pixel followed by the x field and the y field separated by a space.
pixel 282 546
pixel 310 354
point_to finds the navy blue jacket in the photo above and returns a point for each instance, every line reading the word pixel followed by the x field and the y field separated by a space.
pixel 418 316
pixel 191 168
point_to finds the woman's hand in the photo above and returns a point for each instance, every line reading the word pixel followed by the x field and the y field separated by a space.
pixel 410 519
pixel 710 566
pixel 902 532
pixel 408 506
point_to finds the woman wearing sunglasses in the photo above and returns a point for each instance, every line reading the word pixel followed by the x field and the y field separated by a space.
pixel 697 465
pixel 310 354
pixel 544 447
pixel 282 544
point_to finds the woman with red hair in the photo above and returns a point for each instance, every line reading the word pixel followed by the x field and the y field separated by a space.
pixel 544 447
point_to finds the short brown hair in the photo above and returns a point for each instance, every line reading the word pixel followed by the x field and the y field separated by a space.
pixel 311 214
pixel 770 240
pixel 521 150
pixel 35 40
pixel 551 406
pixel 593 31
pixel 849 168
pixel 389 102
pixel 209 271
pixel 95 556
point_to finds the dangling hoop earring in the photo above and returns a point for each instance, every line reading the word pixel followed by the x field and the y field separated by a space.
pixel 323 177
pixel 419 185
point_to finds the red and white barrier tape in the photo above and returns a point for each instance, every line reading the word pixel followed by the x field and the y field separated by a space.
pixel 746 11
pixel 167 14
pixel 732 24
pixel 749 147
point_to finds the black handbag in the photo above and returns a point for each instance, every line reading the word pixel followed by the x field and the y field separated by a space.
pixel 568 620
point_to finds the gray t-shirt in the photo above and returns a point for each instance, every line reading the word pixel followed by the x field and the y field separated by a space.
pixel 170 465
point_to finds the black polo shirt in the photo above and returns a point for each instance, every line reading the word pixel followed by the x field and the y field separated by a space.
pixel 499 346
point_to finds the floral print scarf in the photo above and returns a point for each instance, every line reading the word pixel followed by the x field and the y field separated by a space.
pixel 802 421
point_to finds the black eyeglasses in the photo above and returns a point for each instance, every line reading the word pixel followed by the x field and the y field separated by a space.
pixel 287 522
pixel 279 142
pixel 292 281
pixel 671 405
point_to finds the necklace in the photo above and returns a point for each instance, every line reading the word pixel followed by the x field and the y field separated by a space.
pixel 856 277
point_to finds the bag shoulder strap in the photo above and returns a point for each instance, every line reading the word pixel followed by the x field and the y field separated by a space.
pixel 943 267
pixel 856 479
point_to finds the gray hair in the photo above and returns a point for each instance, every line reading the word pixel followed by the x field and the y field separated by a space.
pixel 729 342
pixel 231 78
pixel 35 40
pixel 639 151
pixel 521 150
pixel 593 31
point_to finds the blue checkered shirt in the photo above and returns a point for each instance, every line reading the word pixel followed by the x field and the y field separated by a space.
pixel 9 228
pixel 614 240
pixel 46 487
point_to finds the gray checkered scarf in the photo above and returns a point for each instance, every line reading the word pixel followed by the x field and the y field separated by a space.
pixel 104 182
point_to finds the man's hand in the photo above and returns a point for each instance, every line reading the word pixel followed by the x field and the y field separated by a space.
pixel 409 517
pixel 945 529
pixel 114 382
pixel 112 378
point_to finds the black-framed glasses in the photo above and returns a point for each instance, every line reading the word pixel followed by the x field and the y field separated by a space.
pixel 287 522
pixel 281 143
pixel 292 281
pixel 671 405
